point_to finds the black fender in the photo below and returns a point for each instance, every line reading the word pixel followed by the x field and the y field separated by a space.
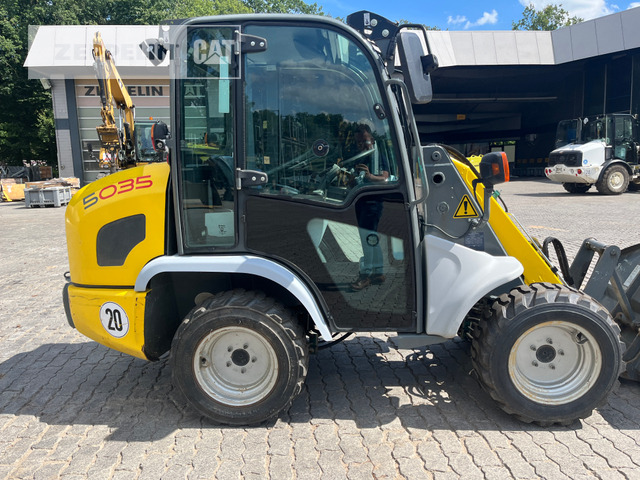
pixel 614 161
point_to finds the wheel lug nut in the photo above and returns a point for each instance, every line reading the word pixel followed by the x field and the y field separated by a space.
pixel 243 370
pixel 228 364
pixel 229 348
pixel 533 347
pixel 534 363
pixel 560 352
pixel 552 366
pixel 245 346
pixel 549 341
pixel 254 360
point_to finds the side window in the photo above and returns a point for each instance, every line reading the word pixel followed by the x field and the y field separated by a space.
pixel 624 147
pixel 206 151
pixel 315 119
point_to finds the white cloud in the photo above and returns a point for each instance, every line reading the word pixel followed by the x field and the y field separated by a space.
pixel 633 5
pixel 456 20
pixel 490 18
pixel 585 9
pixel 487 18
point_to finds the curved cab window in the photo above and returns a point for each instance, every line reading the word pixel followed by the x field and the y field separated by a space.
pixel 314 119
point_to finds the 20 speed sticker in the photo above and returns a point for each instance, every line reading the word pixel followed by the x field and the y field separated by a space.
pixel 114 319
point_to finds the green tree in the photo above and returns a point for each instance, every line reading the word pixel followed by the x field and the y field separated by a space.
pixel 283 6
pixel 550 17
pixel 132 12
pixel 201 8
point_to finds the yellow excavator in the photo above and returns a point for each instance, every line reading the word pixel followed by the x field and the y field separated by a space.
pixel 132 143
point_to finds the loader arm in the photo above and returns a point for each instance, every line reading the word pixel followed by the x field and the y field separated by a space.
pixel 119 143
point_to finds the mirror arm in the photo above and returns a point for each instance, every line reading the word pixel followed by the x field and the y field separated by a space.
pixel 486 207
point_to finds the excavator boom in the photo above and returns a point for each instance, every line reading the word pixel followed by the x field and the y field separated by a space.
pixel 117 146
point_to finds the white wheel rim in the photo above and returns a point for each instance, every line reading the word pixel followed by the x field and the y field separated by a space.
pixel 555 363
pixel 235 366
pixel 616 180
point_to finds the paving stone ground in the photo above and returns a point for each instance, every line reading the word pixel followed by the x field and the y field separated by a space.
pixel 72 409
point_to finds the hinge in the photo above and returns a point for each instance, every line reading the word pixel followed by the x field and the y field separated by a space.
pixel 250 178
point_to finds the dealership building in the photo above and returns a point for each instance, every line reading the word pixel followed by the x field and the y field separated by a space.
pixel 494 90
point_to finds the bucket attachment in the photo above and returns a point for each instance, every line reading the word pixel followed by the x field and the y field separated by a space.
pixel 615 283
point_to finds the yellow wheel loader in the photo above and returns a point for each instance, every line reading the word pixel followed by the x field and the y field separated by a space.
pixel 299 206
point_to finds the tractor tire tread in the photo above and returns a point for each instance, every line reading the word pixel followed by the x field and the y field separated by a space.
pixel 257 301
pixel 603 183
pixel 504 309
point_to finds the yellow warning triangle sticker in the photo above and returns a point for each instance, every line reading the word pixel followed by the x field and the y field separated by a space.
pixel 465 209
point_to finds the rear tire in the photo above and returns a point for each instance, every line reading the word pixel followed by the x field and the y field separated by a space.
pixel 239 358
pixel 614 180
pixel 548 354
pixel 576 187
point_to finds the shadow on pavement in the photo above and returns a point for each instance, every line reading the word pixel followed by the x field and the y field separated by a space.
pixel 359 380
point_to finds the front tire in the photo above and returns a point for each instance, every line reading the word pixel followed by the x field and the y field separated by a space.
pixel 614 180
pixel 548 354
pixel 239 358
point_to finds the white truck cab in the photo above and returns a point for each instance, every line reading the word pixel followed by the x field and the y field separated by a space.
pixel 603 152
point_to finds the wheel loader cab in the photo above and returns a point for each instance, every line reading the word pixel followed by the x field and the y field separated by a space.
pixel 309 111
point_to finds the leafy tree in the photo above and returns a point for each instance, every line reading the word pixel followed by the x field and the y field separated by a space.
pixel 550 17
pixel 132 12
pixel 201 8
pixel 283 6
pixel 24 105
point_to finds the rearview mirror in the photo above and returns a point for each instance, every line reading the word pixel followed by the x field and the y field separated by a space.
pixel 416 66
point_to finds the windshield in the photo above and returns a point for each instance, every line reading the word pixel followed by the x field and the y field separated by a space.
pixel 568 132
pixel 310 99
pixel 595 128
pixel 144 143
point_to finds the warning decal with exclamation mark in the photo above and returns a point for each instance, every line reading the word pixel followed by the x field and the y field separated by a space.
pixel 465 209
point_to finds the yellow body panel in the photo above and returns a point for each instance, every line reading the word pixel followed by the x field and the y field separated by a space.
pixel 536 268
pixel 135 191
pixel 111 317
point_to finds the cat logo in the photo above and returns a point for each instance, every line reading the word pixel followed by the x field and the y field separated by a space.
pixel 216 52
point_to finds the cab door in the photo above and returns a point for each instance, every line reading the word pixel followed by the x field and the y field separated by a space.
pixel 334 208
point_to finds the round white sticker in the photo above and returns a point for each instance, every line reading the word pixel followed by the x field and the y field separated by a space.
pixel 114 319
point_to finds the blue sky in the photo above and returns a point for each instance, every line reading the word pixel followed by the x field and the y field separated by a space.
pixel 468 14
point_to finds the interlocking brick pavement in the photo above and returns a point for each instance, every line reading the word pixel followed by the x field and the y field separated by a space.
pixel 72 409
